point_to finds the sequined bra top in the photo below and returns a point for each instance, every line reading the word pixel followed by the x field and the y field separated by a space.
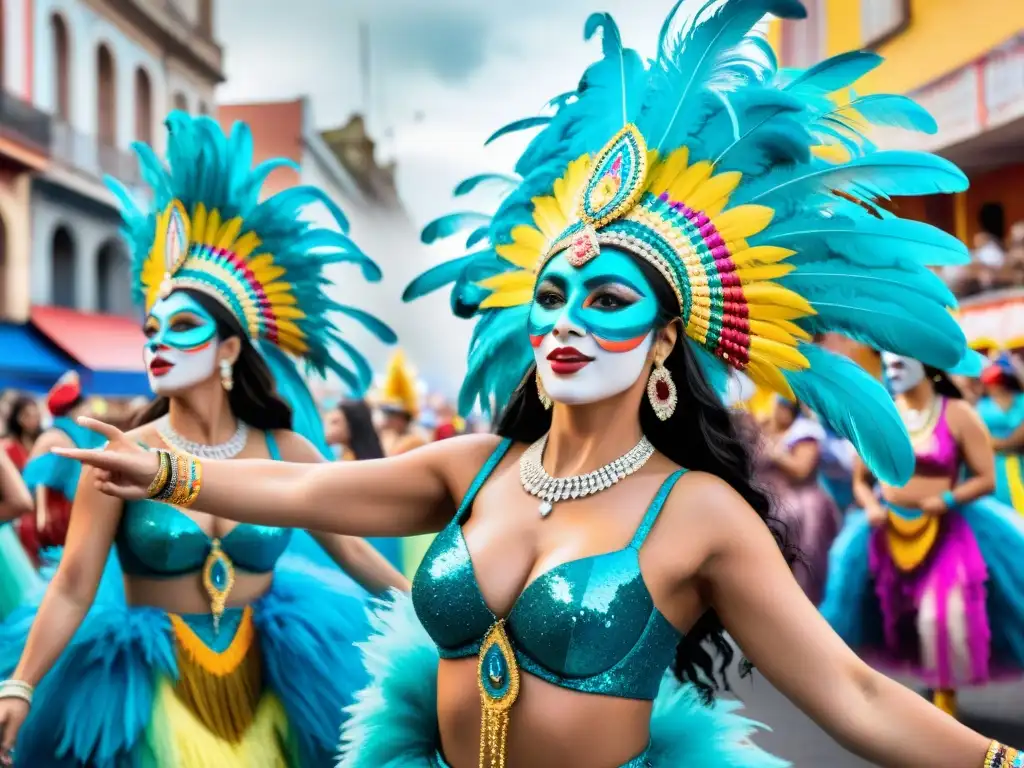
pixel 937 454
pixel 158 540
pixel 589 625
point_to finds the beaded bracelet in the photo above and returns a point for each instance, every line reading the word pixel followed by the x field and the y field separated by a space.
pixel 163 474
pixel 1002 756
pixel 16 689
pixel 183 481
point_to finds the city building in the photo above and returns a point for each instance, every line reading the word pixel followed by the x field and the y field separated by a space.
pixel 83 79
pixel 964 62
pixel 342 162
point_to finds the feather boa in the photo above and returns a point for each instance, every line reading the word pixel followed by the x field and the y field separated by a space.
pixel 393 722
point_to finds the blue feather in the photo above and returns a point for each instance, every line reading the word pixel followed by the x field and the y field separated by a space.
pixel 435 278
pixel 893 110
pixel 837 72
pixel 503 181
pixel 857 407
pixel 377 327
pixel 478 235
pixel 970 365
pixel 449 224
pixel 518 125
pixel 832 273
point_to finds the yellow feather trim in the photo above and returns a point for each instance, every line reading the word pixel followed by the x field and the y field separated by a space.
pixel 199 216
pixel 548 217
pixel 750 275
pixel 509 281
pixel 665 172
pixel 689 180
pixel 212 227
pixel 713 195
pixel 522 255
pixel 266 273
pixel 399 386
pixel 229 233
pixel 772 330
pixel 836 154
pixel 793 329
pixel 772 352
pixel 760 254
pixel 507 299
pixel 291 312
pixel 769 377
pixel 743 221
pixel 246 244
pixel 569 187
pixel 771 294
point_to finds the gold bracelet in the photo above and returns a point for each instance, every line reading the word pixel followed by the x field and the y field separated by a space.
pixel 163 474
pixel 1002 756
pixel 180 487
pixel 195 481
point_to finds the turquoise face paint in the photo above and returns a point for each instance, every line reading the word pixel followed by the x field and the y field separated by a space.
pixel 172 323
pixel 580 293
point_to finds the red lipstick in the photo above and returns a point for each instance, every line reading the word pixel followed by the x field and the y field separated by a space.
pixel 159 367
pixel 566 361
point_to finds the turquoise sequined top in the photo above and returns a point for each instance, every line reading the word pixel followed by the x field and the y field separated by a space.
pixel 158 540
pixel 589 625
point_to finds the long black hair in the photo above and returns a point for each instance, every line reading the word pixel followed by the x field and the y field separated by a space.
pixel 253 398
pixel 363 440
pixel 702 435
pixel 943 384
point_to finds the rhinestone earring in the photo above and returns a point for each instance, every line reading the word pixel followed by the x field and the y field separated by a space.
pixel 227 379
pixel 542 394
pixel 661 392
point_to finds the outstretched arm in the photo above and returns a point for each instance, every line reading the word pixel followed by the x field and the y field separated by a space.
pixel 781 632
pixel 15 500
pixel 354 555
pixel 399 496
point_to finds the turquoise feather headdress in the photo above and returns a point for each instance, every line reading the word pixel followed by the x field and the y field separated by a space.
pixel 207 230
pixel 756 194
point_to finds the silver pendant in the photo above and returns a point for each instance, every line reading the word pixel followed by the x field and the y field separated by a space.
pixel 545 508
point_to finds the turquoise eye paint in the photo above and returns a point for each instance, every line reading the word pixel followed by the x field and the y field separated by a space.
pixel 166 311
pixel 617 329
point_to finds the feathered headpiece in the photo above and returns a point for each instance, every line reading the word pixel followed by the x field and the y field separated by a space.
pixel 755 193
pixel 398 390
pixel 207 230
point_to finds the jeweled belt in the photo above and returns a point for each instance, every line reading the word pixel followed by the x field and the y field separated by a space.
pixel 498 680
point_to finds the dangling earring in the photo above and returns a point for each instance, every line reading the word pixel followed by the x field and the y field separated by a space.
pixel 227 379
pixel 661 392
pixel 542 394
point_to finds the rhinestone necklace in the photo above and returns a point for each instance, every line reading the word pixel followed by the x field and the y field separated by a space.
pixel 537 482
pixel 922 421
pixel 226 450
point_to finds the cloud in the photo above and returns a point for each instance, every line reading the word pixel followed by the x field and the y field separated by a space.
pixel 451 48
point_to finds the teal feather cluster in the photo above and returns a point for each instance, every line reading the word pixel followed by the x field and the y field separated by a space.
pixel 206 166
pixel 802 141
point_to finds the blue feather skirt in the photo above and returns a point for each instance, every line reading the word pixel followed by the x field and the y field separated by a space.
pixel 393 722
pixel 140 688
pixel 853 608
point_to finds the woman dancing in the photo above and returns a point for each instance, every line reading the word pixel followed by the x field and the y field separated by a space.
pixel 938 553
pixel 225 653
pixel 789 466
pixel 1002 410
pixel 611 532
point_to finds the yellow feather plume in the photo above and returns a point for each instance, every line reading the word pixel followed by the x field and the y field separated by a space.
pixel 398 390
pixel 743 221
pixel 760 254
pixel 770 377
pixel 772 352
pixel 713 195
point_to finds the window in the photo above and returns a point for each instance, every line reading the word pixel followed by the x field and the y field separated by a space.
pixel 63 266
pixel 143 106
pixel 106 112
pixel 61 70
pixel 114 279
pixel 803 41
pixel 882 19
pixel 181 101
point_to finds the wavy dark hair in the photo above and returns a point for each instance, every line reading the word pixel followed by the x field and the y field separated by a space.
pixel 14 428
pixel 253 398
pixel 363 440
pixel 702 435
pixel 943 384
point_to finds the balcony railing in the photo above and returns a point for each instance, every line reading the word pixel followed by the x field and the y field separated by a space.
pixel 23 122
pixel 89 156
pixel 187 38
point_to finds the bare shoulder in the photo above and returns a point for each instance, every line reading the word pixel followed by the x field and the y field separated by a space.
pixel 50 439
pixel 294 447
pixel 708 506
pixel 471 449
pixel 961 416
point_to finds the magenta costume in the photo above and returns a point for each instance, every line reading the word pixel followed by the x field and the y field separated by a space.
pixel 811 517
pixel 917 594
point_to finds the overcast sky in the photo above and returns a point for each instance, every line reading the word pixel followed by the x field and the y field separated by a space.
pixel 443 73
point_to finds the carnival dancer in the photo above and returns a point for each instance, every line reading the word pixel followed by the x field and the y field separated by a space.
pixel 671 222
pixel 399 402
pixel 18 577
pixel 789 465
pixel 226 652
pixel 1002 410
pixel 52 479
pixel 925 579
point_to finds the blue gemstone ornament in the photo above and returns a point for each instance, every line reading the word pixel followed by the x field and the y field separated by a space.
pixel 219 580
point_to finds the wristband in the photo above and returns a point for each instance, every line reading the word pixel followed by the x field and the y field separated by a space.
pixel 949 499
pixel 16 689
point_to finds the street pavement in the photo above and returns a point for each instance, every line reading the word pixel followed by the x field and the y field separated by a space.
pixel 996 711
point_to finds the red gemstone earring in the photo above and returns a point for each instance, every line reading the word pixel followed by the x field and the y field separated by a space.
pixel 661 392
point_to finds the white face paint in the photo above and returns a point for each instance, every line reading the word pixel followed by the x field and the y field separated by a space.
pixel 592 328
pixel 181 347
pixel 902 374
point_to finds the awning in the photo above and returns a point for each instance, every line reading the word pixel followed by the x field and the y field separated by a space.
pixel 28 361
pixel 106 348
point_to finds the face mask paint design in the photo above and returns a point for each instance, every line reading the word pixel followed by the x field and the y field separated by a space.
pixel 902 374
pixel 181 350
pixel 592 328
